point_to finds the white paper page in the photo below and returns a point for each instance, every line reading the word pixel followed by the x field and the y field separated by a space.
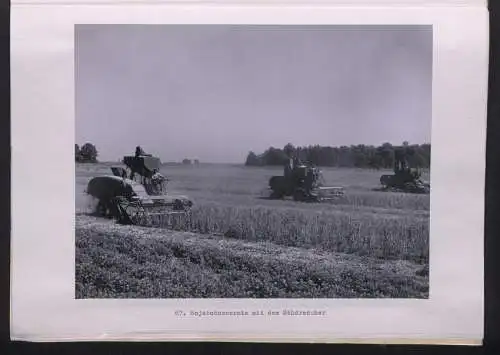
pixel 45 113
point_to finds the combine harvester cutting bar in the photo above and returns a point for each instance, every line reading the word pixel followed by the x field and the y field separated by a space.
pixel 146 212
pixel 330 192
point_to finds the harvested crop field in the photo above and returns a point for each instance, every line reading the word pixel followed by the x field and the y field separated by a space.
pixel 236 244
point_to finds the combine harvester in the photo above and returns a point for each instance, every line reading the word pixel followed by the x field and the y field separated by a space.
pixel 303 183
pixel 404 179
pixel 136 194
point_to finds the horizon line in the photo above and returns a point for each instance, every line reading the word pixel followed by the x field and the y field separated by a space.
pixel 281 148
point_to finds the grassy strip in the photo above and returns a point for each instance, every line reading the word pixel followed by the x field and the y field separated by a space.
pixel 130 262
pixel 401 237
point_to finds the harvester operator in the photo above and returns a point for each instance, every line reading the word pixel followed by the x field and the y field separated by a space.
pixel 139 151
pixel 289 168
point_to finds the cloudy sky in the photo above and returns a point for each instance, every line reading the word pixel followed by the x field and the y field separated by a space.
pixel 216 92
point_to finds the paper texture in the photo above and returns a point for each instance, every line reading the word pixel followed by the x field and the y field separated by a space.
pixel 43 306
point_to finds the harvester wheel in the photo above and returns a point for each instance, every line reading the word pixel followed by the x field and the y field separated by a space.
pixel 299 195
pixel 276 195
pixel 102 209
pixel 386 181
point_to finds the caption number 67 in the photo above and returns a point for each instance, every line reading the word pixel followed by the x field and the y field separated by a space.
pixel 179 313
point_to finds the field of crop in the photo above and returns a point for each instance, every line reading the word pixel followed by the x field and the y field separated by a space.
pixel 237 244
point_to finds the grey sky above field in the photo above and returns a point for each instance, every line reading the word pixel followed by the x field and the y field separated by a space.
pixel 216 92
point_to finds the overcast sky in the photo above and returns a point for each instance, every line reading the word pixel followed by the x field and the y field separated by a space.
pixel 216 92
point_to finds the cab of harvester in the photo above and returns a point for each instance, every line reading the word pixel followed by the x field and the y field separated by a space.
pixel 145 170
pixel 144 166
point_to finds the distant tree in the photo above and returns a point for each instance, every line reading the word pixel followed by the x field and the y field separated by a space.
pixel 88 153
pixel 252 159
pixel 196 162
pixel 375 162
pixel 186 161
pixel 418 161
pixel 386 155
pixel 274 156
pixel 345 159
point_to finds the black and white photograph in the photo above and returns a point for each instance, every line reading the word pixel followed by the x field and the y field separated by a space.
pixel 252 161
pixel 249 173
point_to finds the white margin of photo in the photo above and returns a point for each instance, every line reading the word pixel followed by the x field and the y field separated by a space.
pixel 43 306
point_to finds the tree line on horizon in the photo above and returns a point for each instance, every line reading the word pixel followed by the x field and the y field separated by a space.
pixel 354 156
pixel 88 153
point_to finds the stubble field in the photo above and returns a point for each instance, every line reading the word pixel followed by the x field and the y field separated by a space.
pixel 237 244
